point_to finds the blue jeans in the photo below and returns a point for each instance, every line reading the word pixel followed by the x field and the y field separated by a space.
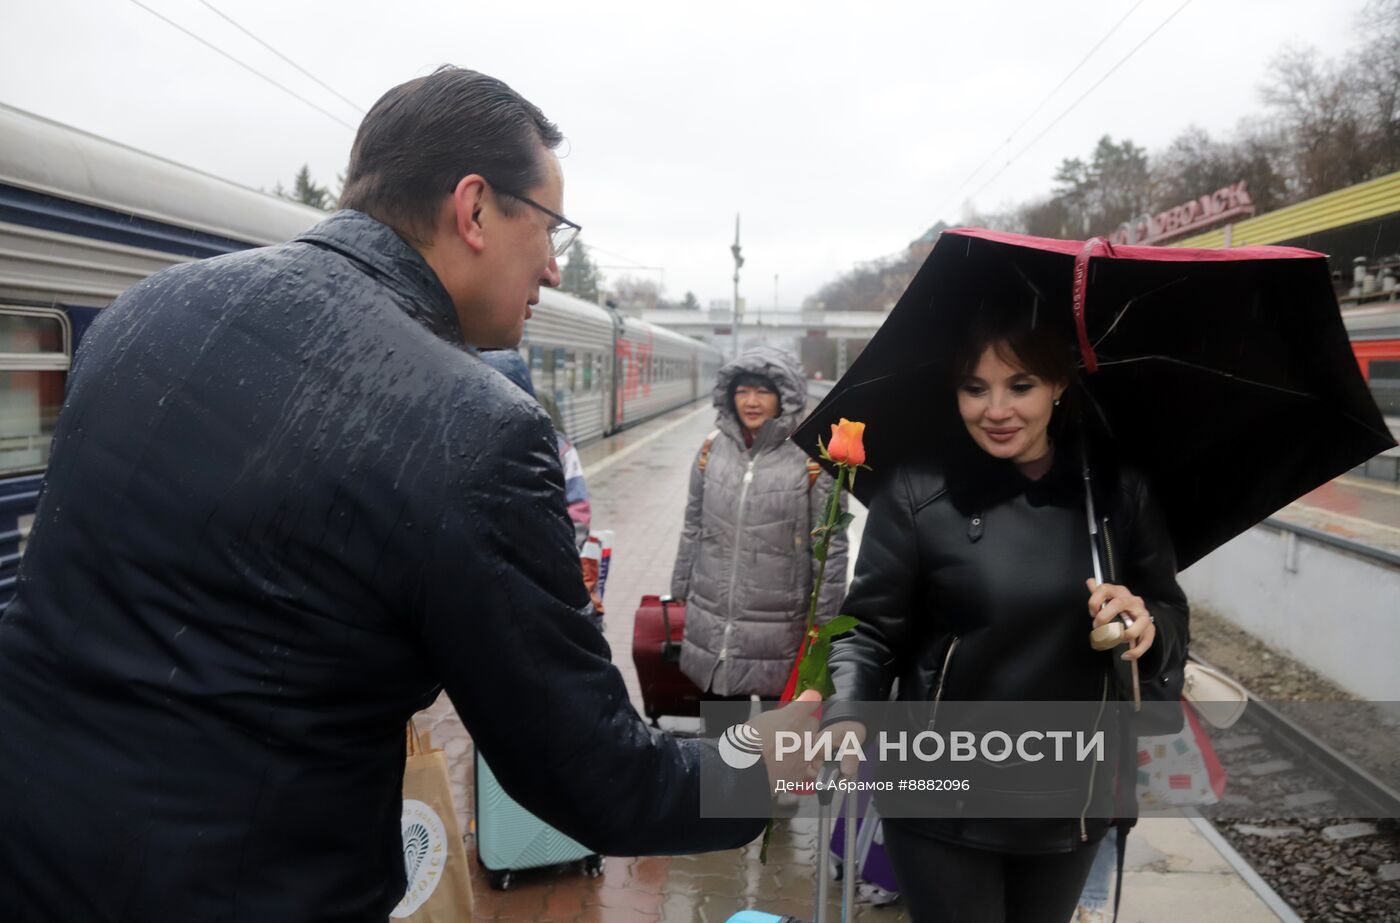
pixel 1095 894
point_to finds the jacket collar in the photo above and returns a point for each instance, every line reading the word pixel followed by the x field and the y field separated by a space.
pixel 390 257
pixel 976 481
pixel 769 436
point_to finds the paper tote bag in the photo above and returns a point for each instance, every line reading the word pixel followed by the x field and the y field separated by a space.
pixel 439 879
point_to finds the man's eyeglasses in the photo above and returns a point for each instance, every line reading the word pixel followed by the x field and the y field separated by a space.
pixel 562 233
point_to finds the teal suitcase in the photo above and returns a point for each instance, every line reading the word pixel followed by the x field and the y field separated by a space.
pixel 510 839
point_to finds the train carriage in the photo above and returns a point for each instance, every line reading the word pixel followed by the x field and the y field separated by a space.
pixel 569 344
pixel 657 369
pixel 83 218
pixel 1374 330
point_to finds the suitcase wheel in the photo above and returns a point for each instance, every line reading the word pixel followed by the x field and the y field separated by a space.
pixel 500 881
pixel 593 865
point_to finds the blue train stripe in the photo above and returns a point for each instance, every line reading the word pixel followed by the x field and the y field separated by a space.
pixel 51 213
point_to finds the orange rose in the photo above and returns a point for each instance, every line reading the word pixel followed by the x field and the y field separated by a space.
pixel 846 447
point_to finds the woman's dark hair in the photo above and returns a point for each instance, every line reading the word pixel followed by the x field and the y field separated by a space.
pixel 423 136
pixel 1018 339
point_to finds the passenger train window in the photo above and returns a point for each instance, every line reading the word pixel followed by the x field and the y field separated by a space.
pixel 34 355
pixel 542 370
pixel 1385 385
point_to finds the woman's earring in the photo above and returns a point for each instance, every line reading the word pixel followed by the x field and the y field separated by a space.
pixel 1057 402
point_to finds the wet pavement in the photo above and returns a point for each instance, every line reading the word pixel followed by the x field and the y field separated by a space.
pixel 1360 509
pixel 637 482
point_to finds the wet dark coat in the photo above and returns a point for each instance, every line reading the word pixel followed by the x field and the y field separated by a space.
pixel 285 508
pixel 970 582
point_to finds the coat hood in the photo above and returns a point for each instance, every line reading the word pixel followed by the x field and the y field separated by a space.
pixel 512 365
pixel 785 371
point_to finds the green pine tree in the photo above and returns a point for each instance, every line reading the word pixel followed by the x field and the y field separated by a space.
pixel 580 273
pixel 307 192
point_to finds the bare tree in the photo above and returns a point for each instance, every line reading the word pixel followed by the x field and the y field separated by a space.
pixel 1377 79
pixel 636 293
pixel 1195 164
pixel 1320 115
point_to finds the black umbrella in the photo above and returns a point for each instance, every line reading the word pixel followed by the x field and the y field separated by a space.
pixel 1226 376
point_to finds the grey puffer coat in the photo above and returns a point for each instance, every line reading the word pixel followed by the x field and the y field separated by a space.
pixel 745 566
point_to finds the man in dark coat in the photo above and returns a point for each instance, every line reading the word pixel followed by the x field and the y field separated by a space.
pixel 286 506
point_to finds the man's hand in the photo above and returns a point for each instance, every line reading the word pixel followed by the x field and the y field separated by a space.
pixel 798 716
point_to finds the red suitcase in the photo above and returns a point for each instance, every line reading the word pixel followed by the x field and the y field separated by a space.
pixel 656 651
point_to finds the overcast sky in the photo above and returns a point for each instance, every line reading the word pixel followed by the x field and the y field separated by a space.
pixel 840 131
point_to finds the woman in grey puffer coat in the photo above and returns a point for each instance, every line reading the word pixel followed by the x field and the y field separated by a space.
pixel 745 566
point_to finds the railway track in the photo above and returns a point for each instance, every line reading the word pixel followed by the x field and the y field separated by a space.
pixel 1313 823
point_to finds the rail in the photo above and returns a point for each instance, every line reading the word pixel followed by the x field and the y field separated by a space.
pixel 1336 541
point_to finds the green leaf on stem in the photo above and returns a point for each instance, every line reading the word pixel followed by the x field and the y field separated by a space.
pixel 838 626
pixel 813 672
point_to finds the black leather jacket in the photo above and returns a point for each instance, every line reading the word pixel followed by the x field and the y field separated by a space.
pixel 971 587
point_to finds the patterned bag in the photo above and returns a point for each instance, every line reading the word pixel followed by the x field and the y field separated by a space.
pixel 439 880
pixel 1179 770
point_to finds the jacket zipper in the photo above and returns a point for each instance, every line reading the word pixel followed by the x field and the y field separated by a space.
pixel 1108 553
pixel 1093 768
pixel 942 678
pixel 1112 575
pixel 734 563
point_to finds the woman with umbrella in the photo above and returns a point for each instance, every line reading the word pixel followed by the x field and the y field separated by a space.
pixel 970 587
pixel 970 584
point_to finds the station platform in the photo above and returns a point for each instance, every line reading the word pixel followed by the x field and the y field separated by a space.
pixel 1360 509
pixel 1176 869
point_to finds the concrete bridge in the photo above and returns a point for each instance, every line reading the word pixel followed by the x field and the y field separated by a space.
pixel 826 341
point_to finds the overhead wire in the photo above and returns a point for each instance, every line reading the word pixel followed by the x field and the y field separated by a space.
pixel 1072 106
pixel 248 67
pixel 637 264
pixel 359 110
pixel 1044 100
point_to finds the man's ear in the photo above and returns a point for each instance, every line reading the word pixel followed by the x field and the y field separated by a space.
pixel 469 202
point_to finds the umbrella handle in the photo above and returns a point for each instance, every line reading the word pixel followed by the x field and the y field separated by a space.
pixel 1106 637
